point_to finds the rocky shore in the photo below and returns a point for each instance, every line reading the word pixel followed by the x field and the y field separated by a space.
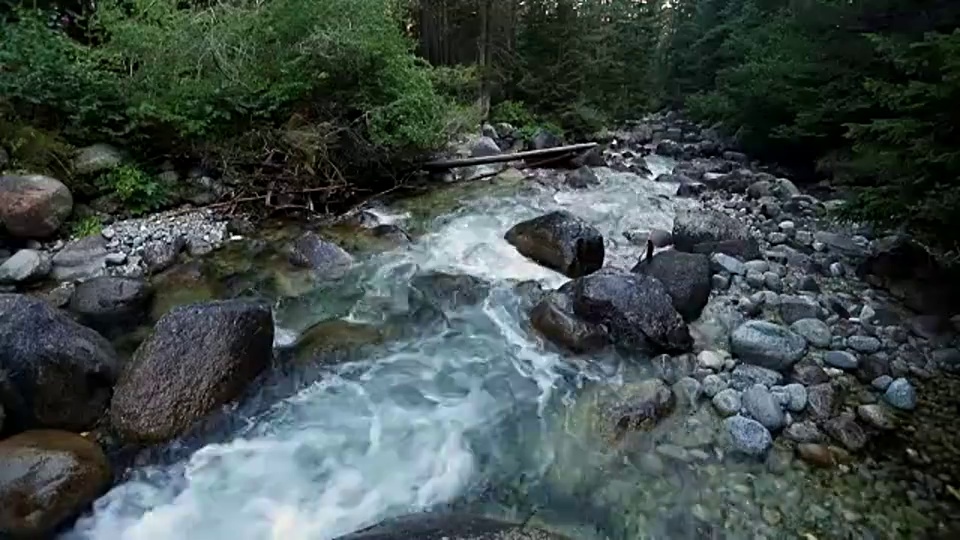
pixel 766 332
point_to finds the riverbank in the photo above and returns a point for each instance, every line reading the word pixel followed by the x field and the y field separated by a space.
pixel 407 371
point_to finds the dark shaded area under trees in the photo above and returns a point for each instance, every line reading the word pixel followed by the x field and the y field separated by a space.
pixel 349 92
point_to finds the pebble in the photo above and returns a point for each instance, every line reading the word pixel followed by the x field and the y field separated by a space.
pixel 818 455
pixel 841 360
pixel 875 416
pixel 803 432
pixel 815 331
pixel 712 385
pixel 777 237
pixel 726 263
pixel 787 226
pixel 798 396
pixel 804 238
pixel 727 402
pixel 748 436
pixel 710 360
pixel 757 265
pixel 759 404
pixel 754 279
pixel 864 344
pixel 836 269
pixel 882 382
pixel 115 259
pixel 720 282
pixel 901 394
pixel 772 281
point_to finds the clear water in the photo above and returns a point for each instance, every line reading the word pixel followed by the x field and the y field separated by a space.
pixel 453 413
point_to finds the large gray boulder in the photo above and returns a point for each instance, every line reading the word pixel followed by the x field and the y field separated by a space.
pixel 554 318
pixel 560 241
pixel 686 277
pixel 450 527
pixel 54 373
pixel 33 206
pixel 637 310
pixel 48 477
pixel 199 357
pixel 710 231
pixel 97 158
pixel 767 345
pixel 109 304
pixel 25 266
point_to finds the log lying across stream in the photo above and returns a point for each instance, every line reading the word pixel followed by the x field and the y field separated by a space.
pixel 555 152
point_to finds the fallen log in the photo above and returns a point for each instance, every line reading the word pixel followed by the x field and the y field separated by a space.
pixel 500 158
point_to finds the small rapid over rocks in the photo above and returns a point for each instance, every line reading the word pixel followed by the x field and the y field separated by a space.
pixel 681 363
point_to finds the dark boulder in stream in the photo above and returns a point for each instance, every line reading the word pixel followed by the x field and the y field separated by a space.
pixel 199 356
pixel 323 256
pixel 560 241
pixel 686 277
pixel 710 231
pixel 450 527
pixel 54 372
pixel 636 308
pixel 554 318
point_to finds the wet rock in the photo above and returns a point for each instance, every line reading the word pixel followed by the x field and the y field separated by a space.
pixel 160 255
pixel 58 373
pixel 718 320
pixel 746 375
pixel 796 397
pixel 554 318
pixel 818 455
pixel 712 385
pixel 795 308
pixel 821 401
pixel 672 368
pixel 841 360
pixel 25 266
pixel 688 391
pixel 864 344
pixel 748 436
pixel 803 432
pixel 845 430
pixel 659 237
pixel 448 291
pixel 721 262
pixel 815 331
pixel 901 394
pixel 711 231
pixel 96 158
pixel 334 341
pixel 313 252
pixel 582 178
pixel 33 206
pixel 484 146
pixel 710 360
pixel 81 260
pixel 434 526
pixel 111 304
pixel 634 406
pixel 686 277
pixel 882 382
pixel 48 478
pixel 768 345
pixel 669 148
pixel 876 416
pixel 760 405
pixel 636 309
pixel 199 357
pixel 560 241
pixel 727 402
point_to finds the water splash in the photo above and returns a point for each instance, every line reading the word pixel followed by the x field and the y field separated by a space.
pixel 420 423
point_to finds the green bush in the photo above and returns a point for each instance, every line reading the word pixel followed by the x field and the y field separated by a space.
pixel 139 192
pixel 87 226
pixel 513 113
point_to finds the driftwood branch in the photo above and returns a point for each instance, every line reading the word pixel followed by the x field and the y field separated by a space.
pixel 500 158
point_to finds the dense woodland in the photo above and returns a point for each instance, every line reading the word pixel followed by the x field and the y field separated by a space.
pixel 346 93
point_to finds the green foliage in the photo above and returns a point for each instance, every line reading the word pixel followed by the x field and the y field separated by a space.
pixel 139 192
pixel 513 113
pixel 87 226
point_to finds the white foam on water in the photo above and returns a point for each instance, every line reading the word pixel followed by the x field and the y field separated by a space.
pixel 398 432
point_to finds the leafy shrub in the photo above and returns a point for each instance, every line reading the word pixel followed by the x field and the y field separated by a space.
pixel 139 192
pixel 87 226
pixel 514 113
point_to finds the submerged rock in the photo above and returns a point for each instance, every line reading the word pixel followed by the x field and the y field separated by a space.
pixel 560 241
pixel 198 357
pixel 334 341
pixel 686 277
pixel 313 252
pixel 768 345
pixel 450 527
pixel 636 309
pixel 54 372
pixel 48 478
pixel 555 319
pixel 33 206
pixel 748 436
pixel 448 291
pixel 635 406
pixel 582 178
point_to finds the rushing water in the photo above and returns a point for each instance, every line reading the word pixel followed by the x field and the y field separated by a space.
pixel 423 421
